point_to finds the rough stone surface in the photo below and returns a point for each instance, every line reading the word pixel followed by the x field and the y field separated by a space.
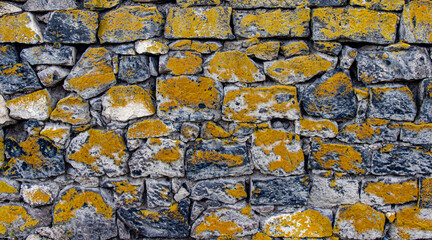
pixel 134 69
pixel 264 51
pixel 18 78
pixel 7 8
pixel 8 55
pixel 416 22
pixel 248 4
pixel 412 223
pixel 316 128
pixel 150 129
pixel 100 4
pixel 4 113
pixel 73 110
pixel 51 76
pixel 416 134
pixel 328 192
pixel 57 132
pixel 49 5
pixel 158 193
pixel 127 192
pixel 226 191
pixel 386 5
pixel 348 56
pixel 21 28
pixel 181 63
pixel 36 105
pixel 371 131
pixel 292 191
pixel 49 55
pixel 425 112
pixel 211 130
pixel 294 48
pixel 389 190
pixel 9 189
pixel 19 220
pixel 425 192
pixel 39 194
pixel 151 46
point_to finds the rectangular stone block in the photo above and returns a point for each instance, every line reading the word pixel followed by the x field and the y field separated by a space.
pixel 416 23
pixel 416 134
pixel 21 28
pixel 389 190
pixel 292 191
pixel 250 4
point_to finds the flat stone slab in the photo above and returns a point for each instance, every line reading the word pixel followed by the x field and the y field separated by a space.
pixel 21 28
pixel 49 55
pixel 416 24
pixel 18 77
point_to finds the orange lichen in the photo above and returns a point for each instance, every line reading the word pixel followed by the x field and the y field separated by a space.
pixel 100 4
pixel 261 236
pixel 367 130
pixel 216 158
pixel 211 130
pixel 12 216
pixel 333 85
pixel 168 155
pixel 412 218
pixel 417 128
pixel 362 217
pixel 21 28
pixel 294 48
pixel 6 188
pixel 173 212
pixel 425 198
pixel 186 63
pixel 70 110
pixel 38 196
pixel 40 101
pixel 237 191
pixel 380 92
pixel 393 193
pixel 318 125
pixel 148 128
pixel 389 5
pixel 266 50
pixel 225 229
pixel 204 47
pixel 131 96
pixel 55 134
pixel 418 20
pixel 124 187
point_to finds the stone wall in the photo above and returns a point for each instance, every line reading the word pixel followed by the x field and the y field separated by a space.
pixel 215 119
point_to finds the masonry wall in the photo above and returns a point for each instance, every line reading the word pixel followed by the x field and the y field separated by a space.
pixel 215 119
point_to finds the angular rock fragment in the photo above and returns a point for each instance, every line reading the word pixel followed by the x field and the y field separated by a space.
pixel 39 194
pixel 36 105
pixel 57 132
pixel 49 5
pixel 189 131
pixel 49 55
pixel 371 131
pixel 158 193
pixel 412 222
pixel 416 23
pixel 73 110
pixel 134 69
pixel 151 46
pixel 389 190
pixel 9 189
pixel 8 55
pixel 52 75
pixel 150 129
pixel 127 192
pixel 289 191
pixel 18 77
pixel 181 63
pixel 198 46
pixel 264 51
pixel 7 8
pixel 347 57
pixel 21 28
pixel 4 113
pixel 425 112
pixel 211 130
pixel 316 128
pixel 294 48
pixel 224 190
pixel 331 48
pixel 425 193
pixel 327 192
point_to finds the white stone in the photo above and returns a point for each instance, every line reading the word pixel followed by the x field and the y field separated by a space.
pixel 6 8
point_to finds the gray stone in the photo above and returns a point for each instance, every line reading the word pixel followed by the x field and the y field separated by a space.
pixel 54 233
pixel 7 8
pixel 123 232
pixel 425 112
pixel 416 134
pixel 207 159
pixel 4 113
pixel 327 192
pixel 189 131
pixel 39 194
pixel 288 191
pixel 383 66
pixel 159 193
pixel 197 209
pixel 348 56
pixel 371 131
pixel 181 194
pixel 224 190
pixel 59 133
pixel 311 127
pixel 127 192
pixel 49 55
pixel 124 49
pixel 415 24
pixel 8 55
pixel 389 190
pixel 294 48
pixel 134 69
pixel 9 190
pixel 330 48
pixel 52 75
pixel 18 77
pixel 412 222
pixel 425 188
pixel 49 5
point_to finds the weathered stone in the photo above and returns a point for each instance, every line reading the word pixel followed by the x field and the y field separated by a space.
pixel 300 68
pixel 100 4
pixel 383 66
pixel 416 22
pixel 331 48
pixel 127 192
pixel 347 57
pixel 18 220
pixel 328 192
pixel 49 55
pixel 52 75
pixel 151 46
pixel 316 128
pixel 21 28
pixel 233 66
pixel 264 51
pixel 39 194
pixel 248 4
pixel 124 49
pixel 127 24
pixel 354 24
pixel 389 190
pixel 158 193
pixel 73 110
pixel 359 221
pixel 9 190
pixel 169 222
pixel 211 130
pixel 18 78
pixel 150 129
pixel 4 113
pixel 224 223
pixel 294 48
pixel 36 157
pixel 416 134
pixel 393 102
pixel 188 98
pixel 425 193
pixel 224 190
pixel 311 223
pixel 425 113
pixel 8 54
pixel 371 131
pixel 412 222
pixel 95 206
pixel 339 158
pixel 193 3
pixel 49 5
pixel 331 96
pixel 198 46
pixel 199 23
pixel 97 152
pixel 261 104
pixel 36 105
pixel 134 69
pixel 217 158
pixel 72 26
pixel 158 157
pixel 7 8
pixel 181 63
pixel 189 131
pixel 57 132
pixel 386 5
pixel 263 24
pixel 92 75
pixel 292 191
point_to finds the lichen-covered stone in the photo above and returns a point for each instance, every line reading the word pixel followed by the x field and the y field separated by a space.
pixel 181 63
pixel 193 3
pixel 393 102
pixel 233 66
pixel 198 46
pixel 100 4
pixel 211 130
pixel 386 5
pixel 199 23
pixel 52 75
pixel 151 46
pixel 416 134
pixel 49 55
pixel 348 56
pixel 354 24
pixel 36 105
pixel 300 68
pixel 9 190
pixel 188 98
pixel 331 192
pixel 425 193
pixel 264 51
pixel 21 28
pixel 309 127
pixel 331 48
pixel 57 132
pixel 371 131
pixel 425 112
pixel 127 192
pixel 39 194
pixel 263 24
pixel 291 191
pixel 223 190
pixel 18 220
pixel 331 96
pixel 73 110
pixel 150 129
pixel 36 157
pixel 134 69
pixel 261 104
pixel 158 193
pixel 72 26
pixel 416 22
pixel 49 5
pixel 95 206
pixel 8 55
pixel 311 223
pixel 158 156
pixel 294 48
pixel 248 4
pixel 4 114
pixel 98 152
pixel 412 222
pixel 359 221
pixel 7 8
pixel 389 190
pixel 92 75
pixel 384 66
pixel 18 77
pixel 207 159
pixel 189 131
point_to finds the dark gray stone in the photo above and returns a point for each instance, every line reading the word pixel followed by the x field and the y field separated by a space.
pixel 328 3
pixel 416 134
pixel 158 193
pixel 134 69
pixel 49 55
pixel 49 5
pixel 331 48
pixel 226 191
pixel 8 55
pixel 425 112
pixel 18 78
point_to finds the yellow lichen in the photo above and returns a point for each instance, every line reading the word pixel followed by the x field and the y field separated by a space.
pixel 412 218
pixel 100 4
pixel 261 236
pixel 69 110
pixel 389 5
pixel 395 193
pixel 12 217
pixel 39 100
pixel 294 48
pixel 148 128
pixel 204 47
pixel 362 217
pixel 237 191
pixel 124 187
pixel 38 196
pixel 181 45
pixel 173 213
pixel 129 96
pixel 425 198
pixel 418 20
pixel 186 63
pixel 216 158
pixel 318 125
pixel 19 28
pixel 267 50
pixel 417 128
pixel 169 154
pixel 55 134
pixel 6 188
pixel 367 130
pixel 225 229
pixel 211 130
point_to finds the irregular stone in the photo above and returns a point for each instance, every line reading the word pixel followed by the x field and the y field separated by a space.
pixel 264 51
pixel 339 158
pixel 158 157
pixel 9 190
pixel 224 223
pixel 302 223
pixel 124 49
pixel 8 54
pixel 348 56
pixel 92 75
pixel 300 68
pixel 150 129
pixel 201 47
pixel 425 113
pixel 211 130
pixel 18 77
pixel 412 222
pixel 20 28
pixel 189 131
pixel 180 63
pixel 39 194
pixel 425 193
pixel 327 193
pixel 416 22
pixel 169 222
pixel 49 5
pixel 49 55
pixel 261 104
pixel 56 132
pixel 389 190
pixel 292 191
pixel 127 192
pixel 100 4
pixel 263 24
pixel 36 157
pixel 331 96
pixel 36 105
pixel 248 4
pixel 386 5
pixel 193 3
pixel 331 48
pixel 359 221
pixel 233 66
pixel 97 152
pixel 94 205
pixel 372 131
pixel 73 110
pixel 392 102
pixel 18 220
pixel 72 26
pixel 151 46
pixel 309 127
pixel 383 66
pixel 158 193
pixel 353 24
pixel 416 134
pixel 123 103
pixel 4 113
pixel 134 69
pixel 207 159
pixel 199 23
pixel 294 48
pixel 188 98
pixel 52 75
pixel 224 190
pixel 7 8
pixel 127 24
